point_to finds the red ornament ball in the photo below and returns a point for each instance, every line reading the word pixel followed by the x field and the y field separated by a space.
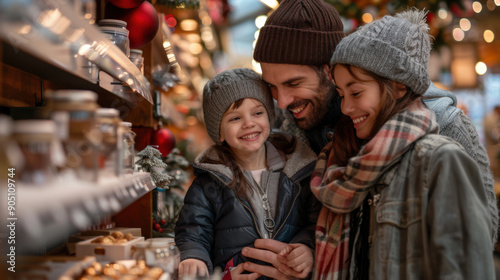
pixel 142 22
pixel 126 4
pixel 165 140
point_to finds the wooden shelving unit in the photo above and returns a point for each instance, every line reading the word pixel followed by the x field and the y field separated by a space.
pixel 45 215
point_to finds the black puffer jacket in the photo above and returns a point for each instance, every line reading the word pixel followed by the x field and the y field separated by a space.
pixel 214 225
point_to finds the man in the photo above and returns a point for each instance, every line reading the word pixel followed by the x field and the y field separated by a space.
pixel 294 49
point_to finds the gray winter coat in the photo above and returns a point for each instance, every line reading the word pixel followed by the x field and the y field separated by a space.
pixel 431 220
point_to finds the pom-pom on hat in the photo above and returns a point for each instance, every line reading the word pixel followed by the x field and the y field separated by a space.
pixel 395 47
pixel 303 32
pixel 228 87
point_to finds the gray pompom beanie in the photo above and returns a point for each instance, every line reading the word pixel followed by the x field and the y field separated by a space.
pixel 397 48
pixel 228 87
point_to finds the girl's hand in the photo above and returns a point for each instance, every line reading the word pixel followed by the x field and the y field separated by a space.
pixel 193 268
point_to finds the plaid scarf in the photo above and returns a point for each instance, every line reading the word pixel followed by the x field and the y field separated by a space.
pixel 343 189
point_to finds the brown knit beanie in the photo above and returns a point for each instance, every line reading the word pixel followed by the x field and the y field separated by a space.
pixel 228 87
pixel 303 32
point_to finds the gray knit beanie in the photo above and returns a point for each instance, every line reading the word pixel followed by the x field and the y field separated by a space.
pixel 228 87
pixel 300 32
pixel 397 48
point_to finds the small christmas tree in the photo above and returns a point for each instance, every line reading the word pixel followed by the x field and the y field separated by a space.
pixel 150 161
pixel 170 202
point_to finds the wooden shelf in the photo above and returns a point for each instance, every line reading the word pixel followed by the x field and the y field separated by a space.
pixel 37 66
pixel 45 215
pixel 59 44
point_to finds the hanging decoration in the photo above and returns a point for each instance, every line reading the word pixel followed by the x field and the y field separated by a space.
pixel 126 4
pixel 165 141
pixel 218 10
pixel 150 161
pixel 169 203
pixel 142 22
pixel 164 79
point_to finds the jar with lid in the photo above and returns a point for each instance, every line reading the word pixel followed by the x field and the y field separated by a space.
pixel 73 111
pixel 36 140
pixel 137 59
pixel 10 154
pixel 128 151
pixel 116 31
pixel 108 121
pixel 159 252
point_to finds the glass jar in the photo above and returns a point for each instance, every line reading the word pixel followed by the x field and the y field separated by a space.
pixel 137 59
pixel 138 250
pixel 36 140
pixel 159 252
pixel 128 150
pixel 116 31
pixel 10 155
pixel 73 111
pixel 108 121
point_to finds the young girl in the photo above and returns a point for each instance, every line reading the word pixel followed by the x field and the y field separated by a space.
pixel 400 201
pixel 251 184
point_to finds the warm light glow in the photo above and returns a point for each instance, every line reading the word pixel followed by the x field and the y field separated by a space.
pixel 260 21
pixel 443 14
pixel 488 36
pixel 83 49
pixel 193 38
pixel 254 43
pixel 367 17
pixel 26 29
pixel 171 22
pixel 497 2
pixel 207 36
pixel 481 68
pixel 465 24
pixel 191 120
pixel 188 24
pixel 171 57
pixel 491 5
pixel 256 34
pixel 477 7
pixel 273 4
pixel 458 34
pixel 256 67
pixel 205 18
pixel 166 44
pixel 195 48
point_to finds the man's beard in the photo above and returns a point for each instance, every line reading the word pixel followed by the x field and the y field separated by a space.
pixel 318 106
